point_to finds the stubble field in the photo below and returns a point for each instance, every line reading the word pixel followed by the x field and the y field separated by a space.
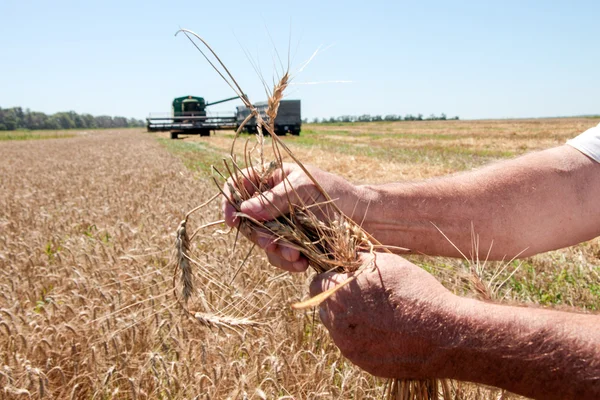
pixel 87 226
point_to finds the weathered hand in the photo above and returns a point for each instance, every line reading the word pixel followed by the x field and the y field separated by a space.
pixel 277 201
pixel 394 320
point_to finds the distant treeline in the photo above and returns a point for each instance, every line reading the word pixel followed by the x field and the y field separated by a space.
pixel 16 118
pixel 375 118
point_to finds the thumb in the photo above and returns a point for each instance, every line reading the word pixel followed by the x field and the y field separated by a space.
pixel 270 204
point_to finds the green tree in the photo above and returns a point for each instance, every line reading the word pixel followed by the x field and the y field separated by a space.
pixel 88 121
pixel 10 120
pixel 53 123
pixel 104 121
pixel 65 120
pixel 120 122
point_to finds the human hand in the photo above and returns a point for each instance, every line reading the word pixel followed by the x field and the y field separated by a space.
pixel 277 201
pixel 394 321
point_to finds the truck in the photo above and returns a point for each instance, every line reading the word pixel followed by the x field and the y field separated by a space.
pixel 188 115
pixel 288 120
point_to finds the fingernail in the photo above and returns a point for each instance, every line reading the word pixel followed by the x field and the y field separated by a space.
pixel 299 266
pixel 290 254
pixel 285 253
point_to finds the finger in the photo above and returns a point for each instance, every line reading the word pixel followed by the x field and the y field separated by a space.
pixel 229 213
pixel 289 253
pixel 267 244
pixel 298 266
pixel 271 244
pixel 249 178
pixel 228 210
pixel 270 204
pixel 244 181
pixel 264 239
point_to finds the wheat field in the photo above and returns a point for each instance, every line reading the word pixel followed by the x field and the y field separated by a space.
pixel 87 228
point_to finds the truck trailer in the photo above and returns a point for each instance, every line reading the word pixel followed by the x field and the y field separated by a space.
pixel 288 120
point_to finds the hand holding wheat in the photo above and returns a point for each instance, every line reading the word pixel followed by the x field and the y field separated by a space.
pixel 293 207
pixel 393 321
pixel 290 186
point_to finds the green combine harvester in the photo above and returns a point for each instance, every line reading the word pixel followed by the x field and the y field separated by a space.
pixel 189 116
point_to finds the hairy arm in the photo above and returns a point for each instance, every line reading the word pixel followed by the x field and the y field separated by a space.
pixel 397 321
pixel 535 203
pixel 538 353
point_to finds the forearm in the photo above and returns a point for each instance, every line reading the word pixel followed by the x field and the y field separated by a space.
pixel 524 206
pixel 534 352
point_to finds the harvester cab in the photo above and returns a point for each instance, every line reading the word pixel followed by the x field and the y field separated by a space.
pixel 189 106
pixel 189 116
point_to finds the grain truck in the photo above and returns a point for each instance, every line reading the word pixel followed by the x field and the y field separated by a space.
pixel 288 120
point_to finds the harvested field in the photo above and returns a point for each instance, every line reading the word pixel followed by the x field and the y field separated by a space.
pixel 87 226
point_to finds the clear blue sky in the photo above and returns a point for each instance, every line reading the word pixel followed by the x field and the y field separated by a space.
pixel 475 59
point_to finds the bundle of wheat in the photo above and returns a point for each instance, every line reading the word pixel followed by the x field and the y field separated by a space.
pixel 330 243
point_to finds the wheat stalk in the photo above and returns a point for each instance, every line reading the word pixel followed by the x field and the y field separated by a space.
pixel 213 320
pixel 182 246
